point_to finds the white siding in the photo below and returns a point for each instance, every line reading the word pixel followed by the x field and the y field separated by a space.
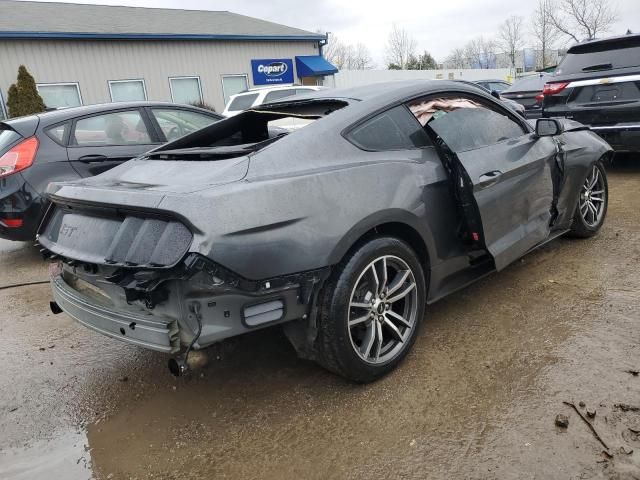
pixel 353 78
pixel 92 63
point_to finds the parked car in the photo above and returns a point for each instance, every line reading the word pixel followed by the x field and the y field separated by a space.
pixel 516 107
pixel 395 196
pixel 527 91
pixel 598 84
pixel 494 85
pixel 73 143
pixel 257 96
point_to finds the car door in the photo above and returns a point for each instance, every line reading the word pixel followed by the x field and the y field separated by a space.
pixel 503 173
pixel 100 142
pixel 172 123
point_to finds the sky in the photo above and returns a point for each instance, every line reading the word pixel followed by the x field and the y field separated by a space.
pixel 438 26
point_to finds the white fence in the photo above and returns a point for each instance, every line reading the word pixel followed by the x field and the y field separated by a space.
pixel 352 78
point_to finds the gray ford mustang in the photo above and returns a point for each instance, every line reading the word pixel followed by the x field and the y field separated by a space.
pixel 374 202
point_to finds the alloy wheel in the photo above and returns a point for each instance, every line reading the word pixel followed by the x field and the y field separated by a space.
pixel 593 198
pixel 382 309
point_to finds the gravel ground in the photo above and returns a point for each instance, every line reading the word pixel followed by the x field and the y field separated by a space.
pixel 477 398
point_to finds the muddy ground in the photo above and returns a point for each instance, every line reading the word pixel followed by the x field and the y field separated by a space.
pixel 477 397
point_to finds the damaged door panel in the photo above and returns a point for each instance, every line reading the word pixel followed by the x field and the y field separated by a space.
pixel 503 174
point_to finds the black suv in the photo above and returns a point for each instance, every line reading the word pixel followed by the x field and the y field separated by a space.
pixel 598 84
pixel 73 143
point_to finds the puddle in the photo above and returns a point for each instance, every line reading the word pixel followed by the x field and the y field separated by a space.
pixel 66 456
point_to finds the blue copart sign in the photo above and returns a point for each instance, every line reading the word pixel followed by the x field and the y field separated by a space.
pixel 272 71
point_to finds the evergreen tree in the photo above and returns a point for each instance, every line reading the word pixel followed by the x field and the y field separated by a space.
pixel 23 97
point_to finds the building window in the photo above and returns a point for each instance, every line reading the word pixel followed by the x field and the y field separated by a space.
pixel 185 89
pixel 57 95
pixel 127 90
pixel 232 84
pixel 3 108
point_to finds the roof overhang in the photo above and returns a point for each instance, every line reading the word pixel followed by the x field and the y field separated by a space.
pixel 157 36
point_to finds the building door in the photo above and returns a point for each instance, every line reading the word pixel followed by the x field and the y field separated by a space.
pixel 309 81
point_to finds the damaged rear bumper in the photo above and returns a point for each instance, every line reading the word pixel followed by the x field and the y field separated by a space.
pixel 149 331
pixel 197 302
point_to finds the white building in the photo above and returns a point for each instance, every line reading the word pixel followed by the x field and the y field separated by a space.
pixel 84 54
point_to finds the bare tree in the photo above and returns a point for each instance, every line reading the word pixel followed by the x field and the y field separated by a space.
pixel 543 31
pixel 400 47
pixel 457 59
pixel 511 37
pixel 345 56
pixel 582 19
pixel 360 58
pixel 480 53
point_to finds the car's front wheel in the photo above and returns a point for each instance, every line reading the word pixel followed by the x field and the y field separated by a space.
pixel 370 310
pixel 592 203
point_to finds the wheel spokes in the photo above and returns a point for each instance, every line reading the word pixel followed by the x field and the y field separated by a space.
pixel 402 294
pixel 378 327
pixel 394 330
pixel 379 343
pixel 399 318
pixel 398 281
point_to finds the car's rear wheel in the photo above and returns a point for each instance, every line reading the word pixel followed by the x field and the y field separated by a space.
pixel 593 200
pixel 370 310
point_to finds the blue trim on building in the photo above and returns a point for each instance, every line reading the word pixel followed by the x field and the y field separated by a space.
pixel 156 36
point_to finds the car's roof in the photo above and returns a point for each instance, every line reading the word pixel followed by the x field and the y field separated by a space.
pixel 62 114
pixel 388 92
pixel 602 44
pixel 498 80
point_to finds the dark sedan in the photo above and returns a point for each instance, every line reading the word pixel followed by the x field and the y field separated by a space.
pixel 73 143
pixel 392 197
pixel 527 92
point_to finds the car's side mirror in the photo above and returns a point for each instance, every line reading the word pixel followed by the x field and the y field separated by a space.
pixel 548 127
pixel 495 94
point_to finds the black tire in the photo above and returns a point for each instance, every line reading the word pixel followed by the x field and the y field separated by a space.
pixel 581 227
pixel 335 348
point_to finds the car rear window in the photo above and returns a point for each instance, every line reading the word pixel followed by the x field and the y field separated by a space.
pixel 7 138
pixel 534 83
pixel 276 94
pixel 242 102
pixel 602 56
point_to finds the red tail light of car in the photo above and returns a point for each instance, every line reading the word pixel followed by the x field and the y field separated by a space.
pixel 19 157
pixel 553 88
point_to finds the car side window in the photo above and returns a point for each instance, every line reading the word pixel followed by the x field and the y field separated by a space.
pixel 394 129
pixel 175 123
pixel 58 133
pixel 111 129
pixel 277 94
pixel 464 123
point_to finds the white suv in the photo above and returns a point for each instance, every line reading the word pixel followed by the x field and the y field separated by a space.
pixel 257 96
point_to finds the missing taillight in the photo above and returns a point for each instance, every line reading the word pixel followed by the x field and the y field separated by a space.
pixel 19 157
pixel 553 88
